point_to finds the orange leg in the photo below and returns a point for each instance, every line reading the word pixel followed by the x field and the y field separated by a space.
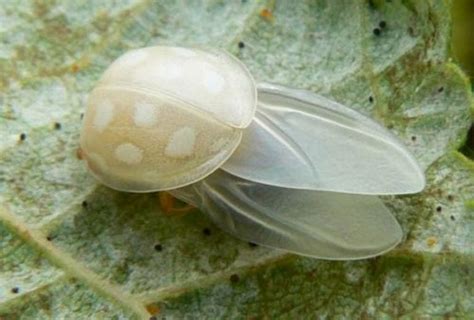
pixel 168 204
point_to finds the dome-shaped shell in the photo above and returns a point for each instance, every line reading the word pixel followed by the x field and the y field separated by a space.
pixel 210 80
pixel 164 117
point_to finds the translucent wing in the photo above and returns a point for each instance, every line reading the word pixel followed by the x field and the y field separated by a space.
pixel 302 140
pixel 319 224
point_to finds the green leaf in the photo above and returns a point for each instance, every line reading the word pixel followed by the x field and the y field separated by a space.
pixel 71 248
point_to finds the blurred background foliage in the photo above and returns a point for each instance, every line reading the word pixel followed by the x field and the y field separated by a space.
pixel 463 35
pixel 463 50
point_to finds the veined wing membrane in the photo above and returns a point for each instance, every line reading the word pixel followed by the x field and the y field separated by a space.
pixel 302 140
pixel 318 224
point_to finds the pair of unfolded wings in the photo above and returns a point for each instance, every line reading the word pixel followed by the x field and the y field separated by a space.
pixel 305 178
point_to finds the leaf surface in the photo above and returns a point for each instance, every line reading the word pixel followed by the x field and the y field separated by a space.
pixel 70 248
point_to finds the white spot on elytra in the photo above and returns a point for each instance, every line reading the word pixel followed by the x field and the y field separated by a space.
pixel 146 114
pixel 129 153
pixel 104 112
pixel 181 143
pixel 213 81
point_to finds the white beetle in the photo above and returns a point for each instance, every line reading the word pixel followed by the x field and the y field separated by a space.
pixel 289 170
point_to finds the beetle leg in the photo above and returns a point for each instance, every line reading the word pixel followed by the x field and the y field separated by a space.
pixel 168 204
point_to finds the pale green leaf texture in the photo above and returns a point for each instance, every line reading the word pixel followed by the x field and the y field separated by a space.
pixel 73 249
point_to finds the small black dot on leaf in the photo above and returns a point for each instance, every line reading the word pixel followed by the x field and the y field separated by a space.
pixel 413 138
pixel 440 89
pixel 57 126
pixel 439 208
pixel 371 99
pixel 15 290
pixel 84 204
pixel 206 231
pixel 241 45
pixel 253 245
pixel 450 197
pixel 158 247
pixel 376 31
pixel 382 24
pixel 452 218
pixel 234 278
pixel 49 238
pixel 23 137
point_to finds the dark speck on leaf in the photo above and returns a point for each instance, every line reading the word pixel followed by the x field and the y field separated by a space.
pixel 450 197
pixel 439 208
pixel 15 290
pixel 57 126
pixel 206 231
pixel 383 24
pixel 49 238
pixel 452 218
pixel 440 89
pixel 241 45
pixel 234 278
pixel 253 245
pixel 377 31
pixel 82 116
pixel 158 247
pixel 23 137
pixel 413 138
pixel 371 99
pixel 84 204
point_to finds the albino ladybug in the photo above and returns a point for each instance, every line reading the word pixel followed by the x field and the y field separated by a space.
pixel 280 167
